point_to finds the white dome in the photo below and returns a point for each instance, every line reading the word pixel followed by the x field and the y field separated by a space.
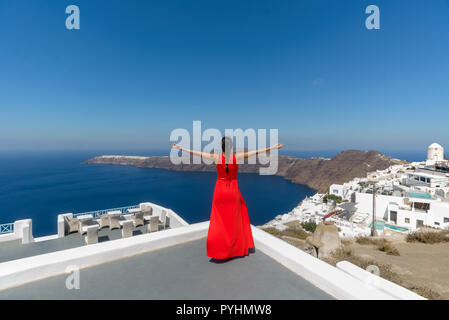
pixel 435 152
pixel 434 146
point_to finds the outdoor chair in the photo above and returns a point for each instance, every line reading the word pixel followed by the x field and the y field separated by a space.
pixel 86 220
pixel 147 213
pixel 103 221
pixel 127 228
pixel 114 220
pixel 138 219
pixel 154 224
pixel 407 202
pixel 163 219
pixel 72 224
pixel 91 236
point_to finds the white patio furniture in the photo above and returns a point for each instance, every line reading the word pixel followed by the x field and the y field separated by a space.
pixel 86 220
pixel 85 217
pixel 127 228
pixel 148 211
pixel 128 216
pixel 103 221
pixel 134 210
pixel 138 219
pixel 71 224
pixel 91 236
pixel 163 218
pixel 153 226
pixel 114 220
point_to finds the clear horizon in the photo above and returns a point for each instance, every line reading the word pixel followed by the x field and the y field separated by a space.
pixel 409 155
pixel 137 70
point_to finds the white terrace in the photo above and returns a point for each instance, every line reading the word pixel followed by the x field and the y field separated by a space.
pixel 168 263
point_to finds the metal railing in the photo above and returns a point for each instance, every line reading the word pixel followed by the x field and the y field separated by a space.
pixel 96 214
pixel 6 228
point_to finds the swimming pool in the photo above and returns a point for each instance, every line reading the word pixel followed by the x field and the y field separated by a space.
pixel 420 195
pixel 396 228
pixel 380 225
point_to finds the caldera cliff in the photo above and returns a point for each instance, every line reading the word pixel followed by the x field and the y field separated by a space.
pixel 317 173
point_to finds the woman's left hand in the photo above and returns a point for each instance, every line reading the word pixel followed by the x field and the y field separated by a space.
pixel 278 146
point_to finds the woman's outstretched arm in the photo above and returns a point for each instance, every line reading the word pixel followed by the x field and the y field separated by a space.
pixel 211 156
pixel 248 154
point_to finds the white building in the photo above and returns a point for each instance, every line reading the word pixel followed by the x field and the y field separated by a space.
pixel 406 212
pixel 339 190
pixel 430 179
pixel 435 153
pixel 408 196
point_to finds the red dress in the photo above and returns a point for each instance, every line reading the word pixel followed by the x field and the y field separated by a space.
pixel 229 229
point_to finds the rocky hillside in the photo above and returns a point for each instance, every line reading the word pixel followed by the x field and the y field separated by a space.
pixel 317 173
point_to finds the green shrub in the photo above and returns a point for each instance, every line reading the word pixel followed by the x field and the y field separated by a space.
pixel 273 231
pixel 428 237
pixel 295 233
pixel 290 232
pixel 370 241
pixel 309 226
pixel 336 199
pixel 388 248
pixel 381 244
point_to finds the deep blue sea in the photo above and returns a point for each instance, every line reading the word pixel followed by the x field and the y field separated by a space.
pixel 40 185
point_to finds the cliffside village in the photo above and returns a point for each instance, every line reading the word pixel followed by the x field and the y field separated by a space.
pixel 402 198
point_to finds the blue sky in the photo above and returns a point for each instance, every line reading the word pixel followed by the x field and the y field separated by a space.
pixel 138 69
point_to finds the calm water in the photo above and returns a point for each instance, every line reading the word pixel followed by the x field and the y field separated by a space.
pixel 39 185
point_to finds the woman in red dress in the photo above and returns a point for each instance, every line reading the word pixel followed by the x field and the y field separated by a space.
pixel 229 232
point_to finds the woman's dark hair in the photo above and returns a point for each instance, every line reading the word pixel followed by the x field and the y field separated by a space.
pixel 226 145
pixel 223 144
pixel 226 148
